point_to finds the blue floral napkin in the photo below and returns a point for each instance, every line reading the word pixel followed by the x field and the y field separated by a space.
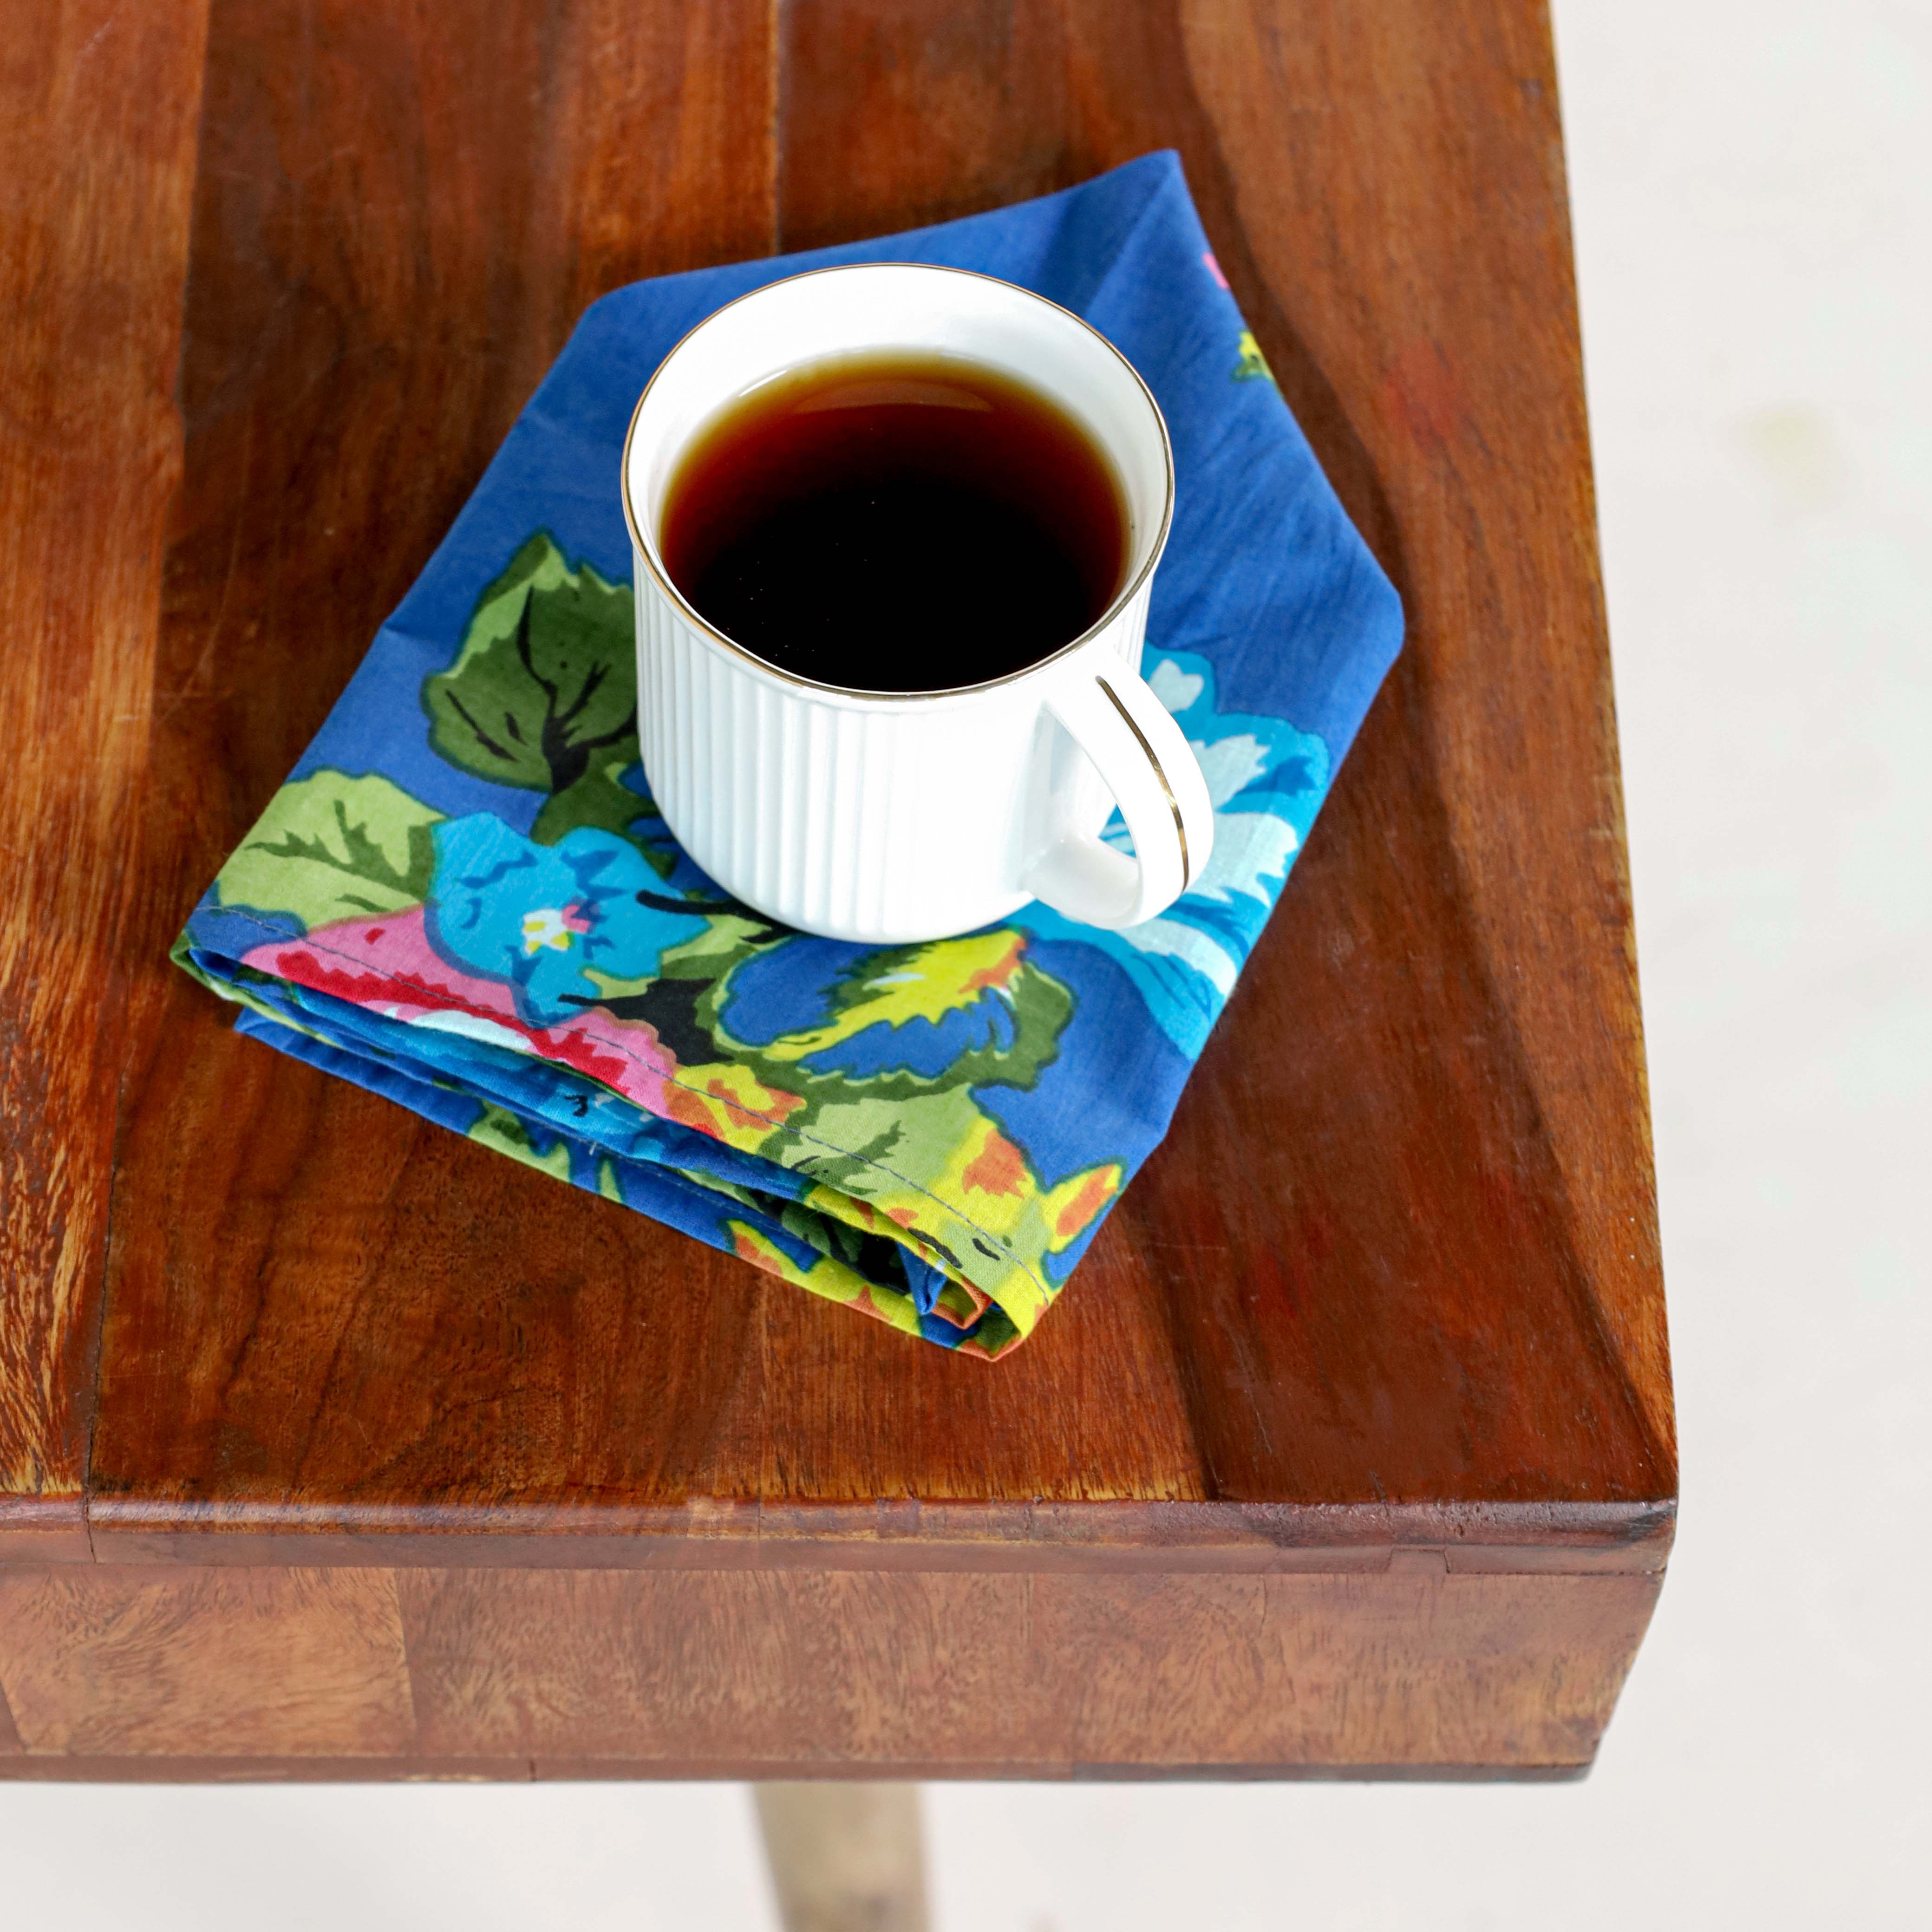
pixel 464 898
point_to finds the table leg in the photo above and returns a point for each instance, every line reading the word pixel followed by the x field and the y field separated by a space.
pixel 845 1856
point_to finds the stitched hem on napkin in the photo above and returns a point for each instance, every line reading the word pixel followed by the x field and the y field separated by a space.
pixel 934 1235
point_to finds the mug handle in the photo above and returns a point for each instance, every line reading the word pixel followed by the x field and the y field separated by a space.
pixel 1145 760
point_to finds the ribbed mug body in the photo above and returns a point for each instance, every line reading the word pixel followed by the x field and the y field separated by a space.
pixel 864 817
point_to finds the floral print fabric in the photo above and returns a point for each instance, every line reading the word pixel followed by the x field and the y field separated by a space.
pixel 464 898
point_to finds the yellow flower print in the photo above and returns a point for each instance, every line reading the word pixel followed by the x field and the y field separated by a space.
pixel 555 927
pixel 1253 364
pixel 731 1104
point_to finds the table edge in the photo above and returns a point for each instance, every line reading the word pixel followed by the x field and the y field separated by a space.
pixel 51 1768
pixel 1157 1537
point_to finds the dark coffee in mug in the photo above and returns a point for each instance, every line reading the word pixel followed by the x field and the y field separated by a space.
pixel 896 521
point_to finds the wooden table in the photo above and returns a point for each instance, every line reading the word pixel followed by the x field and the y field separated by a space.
pixel 332 1445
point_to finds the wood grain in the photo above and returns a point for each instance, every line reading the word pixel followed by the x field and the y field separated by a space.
pixel 230 1663
pixel 723 1674
pixel 97 153
pixel 1411 1301
pixel 1477 428
pixel 379 277
pixel 1362 1394
pixel 1439 982
pixel 1049 1673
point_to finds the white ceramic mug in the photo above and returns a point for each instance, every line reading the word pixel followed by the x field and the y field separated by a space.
pixel 892 818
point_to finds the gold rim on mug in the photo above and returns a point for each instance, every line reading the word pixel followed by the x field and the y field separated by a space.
pixel 647 548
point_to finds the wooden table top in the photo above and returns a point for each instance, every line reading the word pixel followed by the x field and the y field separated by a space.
pixel 280 277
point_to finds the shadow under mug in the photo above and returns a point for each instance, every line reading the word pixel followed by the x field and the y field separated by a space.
pixel 892 818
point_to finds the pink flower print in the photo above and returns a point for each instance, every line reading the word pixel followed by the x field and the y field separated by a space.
pixel 387 966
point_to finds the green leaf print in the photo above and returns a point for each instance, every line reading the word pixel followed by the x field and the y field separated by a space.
pixel 599 798
pixel 728 937
pixel 903 1020
pixel 497 1127
pixel 949 1182
pixel 330 848
pixel 543 695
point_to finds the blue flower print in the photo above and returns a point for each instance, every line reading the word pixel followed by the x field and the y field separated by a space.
pixel 534 916
pixel 1266 781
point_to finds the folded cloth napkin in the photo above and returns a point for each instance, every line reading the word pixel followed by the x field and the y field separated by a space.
pixel 464 898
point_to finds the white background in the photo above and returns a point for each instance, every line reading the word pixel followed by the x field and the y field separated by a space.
pixel 1752 182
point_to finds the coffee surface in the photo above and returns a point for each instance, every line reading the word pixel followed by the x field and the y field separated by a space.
pixel 896 522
